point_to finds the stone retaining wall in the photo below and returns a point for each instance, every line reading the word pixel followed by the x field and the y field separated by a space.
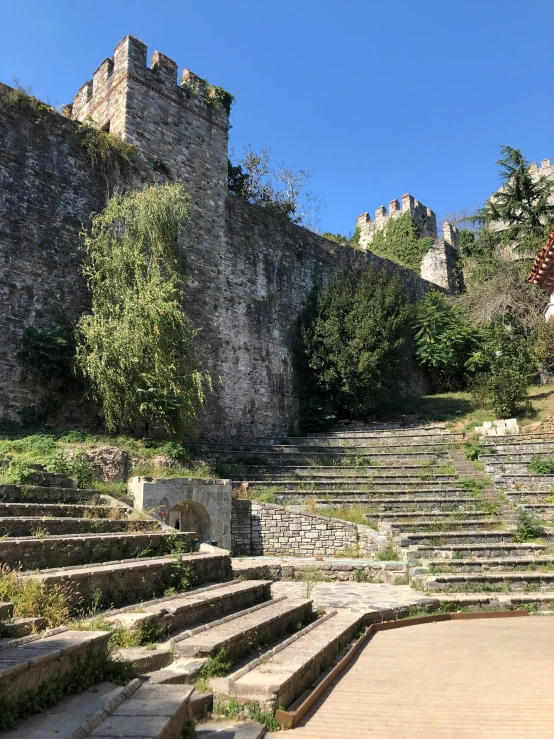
pixel 31 553
pixel 276 530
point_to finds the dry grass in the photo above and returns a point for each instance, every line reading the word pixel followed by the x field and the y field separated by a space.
pixel 32 597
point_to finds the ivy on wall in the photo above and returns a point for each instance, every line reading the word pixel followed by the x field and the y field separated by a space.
pixel 399 241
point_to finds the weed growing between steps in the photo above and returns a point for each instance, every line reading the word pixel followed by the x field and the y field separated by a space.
pixel 541 466
pixel 529 527
pixel 144 633
pixel 216 666
pixel 32 597
pixel 389 554
pixel 234 710
pixel 91 670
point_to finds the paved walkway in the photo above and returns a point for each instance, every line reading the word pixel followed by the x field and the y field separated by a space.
pixel 352 596
pixel 452 680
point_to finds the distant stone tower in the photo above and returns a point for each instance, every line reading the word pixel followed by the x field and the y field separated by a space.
pixel 424 218
pixel 439 264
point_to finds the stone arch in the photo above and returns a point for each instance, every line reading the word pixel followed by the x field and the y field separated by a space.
pixel 191 516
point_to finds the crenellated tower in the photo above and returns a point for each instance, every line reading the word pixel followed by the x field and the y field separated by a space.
pixel 177 123
pixel 423 217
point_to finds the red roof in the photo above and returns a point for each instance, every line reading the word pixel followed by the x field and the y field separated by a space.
pixel 542 273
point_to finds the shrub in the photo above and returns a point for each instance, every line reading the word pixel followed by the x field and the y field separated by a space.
pixel 541 466
pixel 504 389
pixel 444 341
pixel 528 527
pixel 352 342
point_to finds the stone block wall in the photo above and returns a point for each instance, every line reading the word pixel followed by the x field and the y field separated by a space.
pixel 279 531
pixel 440 265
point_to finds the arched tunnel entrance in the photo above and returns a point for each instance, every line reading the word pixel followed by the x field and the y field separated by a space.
pixel 190 516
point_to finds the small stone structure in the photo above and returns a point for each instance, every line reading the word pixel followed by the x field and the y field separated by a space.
pixel 501 427
pixel 187 504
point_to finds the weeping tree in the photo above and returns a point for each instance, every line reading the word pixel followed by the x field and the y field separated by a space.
pixel 136 348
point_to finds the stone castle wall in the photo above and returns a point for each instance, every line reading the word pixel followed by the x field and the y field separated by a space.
pixel 250 272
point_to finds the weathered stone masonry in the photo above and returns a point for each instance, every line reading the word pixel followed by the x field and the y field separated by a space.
pixel 267 529
pixel 250 272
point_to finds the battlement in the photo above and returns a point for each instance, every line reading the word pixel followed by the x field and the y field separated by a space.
pixel 424 218
pixel 105 98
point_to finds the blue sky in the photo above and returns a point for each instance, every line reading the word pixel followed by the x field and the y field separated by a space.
pixel 375 98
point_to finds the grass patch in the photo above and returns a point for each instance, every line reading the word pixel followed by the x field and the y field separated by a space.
pixel 354 513
pixel 32 597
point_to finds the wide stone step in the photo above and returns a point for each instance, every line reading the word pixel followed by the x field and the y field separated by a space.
pixel 108 710
pixel 339 497
pixel 490 564
pixel 437 539
pixel 33 553
pixel 282 674
pixel 118 583
pixel 380 434
pixel 338 444
pixel 544 483
pixel 408 467
pixel 470 525
pixel 192 608
pixel 240 634
pixel 42 660
pixel 41 494
pixel 40 527
pixel 60 510
pixel 527 496
pixel 422 504
pixel 494 581
pixel 352 483
pixel 277 460
pixel 153 712
pixel 540 601
pixel 433 518
pixel 476 552
pixel 347 473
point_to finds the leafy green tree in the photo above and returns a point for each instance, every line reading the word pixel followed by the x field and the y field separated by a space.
pixel 444 340
pixel 353 341
pixel 137 346
pixel 522 203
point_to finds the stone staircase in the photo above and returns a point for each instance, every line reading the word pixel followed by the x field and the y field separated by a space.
pixel 119 565
pixel 495 569
pixel 453 528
